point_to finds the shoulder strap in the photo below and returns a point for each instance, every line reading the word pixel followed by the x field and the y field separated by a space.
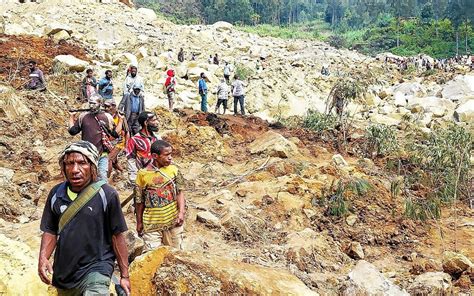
pixel 84 197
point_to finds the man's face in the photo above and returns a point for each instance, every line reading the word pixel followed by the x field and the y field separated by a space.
pixel 112 109
pixel 153 121
pixel 31 66
pixel 136 91
pixel 94 105
pixel 89 74
pixel 164 158
pixel 109 74
pixel 133 72
pixel 77 170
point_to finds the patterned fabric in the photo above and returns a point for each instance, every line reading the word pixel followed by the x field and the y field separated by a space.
pixel 158 189
pixel 138 147
pixel 85 148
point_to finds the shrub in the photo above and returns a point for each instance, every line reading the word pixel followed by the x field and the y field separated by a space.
pixel 319 122
pixel 337 41
pixel 380 140
pixel 244 72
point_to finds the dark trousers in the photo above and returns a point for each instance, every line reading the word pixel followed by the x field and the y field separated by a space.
pixel 240 100
pixel 133 124
pixel 223 103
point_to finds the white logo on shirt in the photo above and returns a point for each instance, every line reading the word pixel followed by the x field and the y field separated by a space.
pixel 62 208
pixel 90 208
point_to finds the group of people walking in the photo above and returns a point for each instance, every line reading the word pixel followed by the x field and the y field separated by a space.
pixel 82 221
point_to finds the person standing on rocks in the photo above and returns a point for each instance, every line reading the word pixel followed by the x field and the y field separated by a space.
pixel 132 105
pixel 139 145
pixel 222 96
pixel 181 55
pixel 89 85
pixel 106 86
pixel 131 81
pixel 215 59
pixel 159 200
pixel 227 72
pixel 37 81
pixel 239 94
pixel 83 221
pixel 95 126
pixel 119 143
pixel 170 87
pixel 203 92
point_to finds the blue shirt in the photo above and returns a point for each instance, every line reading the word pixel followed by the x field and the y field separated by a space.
pixel 202 86
pixel 135 103
pixel 106 88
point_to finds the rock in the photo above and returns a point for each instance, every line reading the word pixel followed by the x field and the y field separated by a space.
pixel 31 177
pixel 383 119
pixel 179 273
pixel 440 106
pixel 273 144
pixel 135 245
pixel 61 35
pixel 125 58
pixel 17 29
pixel 53 28
pixel 400 100
pixel 365 279
pixel 6 176
pixel 355 251
pixel 371 99
pixel 68 63
pixel 455 263
pixel 208 218
pixel 338 160
pixel 148 14
pixel 431 283
pixel 351 220
pixel 222 26
pixel 12 106
pixel 465 112
pixel 461 86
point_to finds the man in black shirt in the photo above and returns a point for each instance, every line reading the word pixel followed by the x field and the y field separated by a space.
pixel 88 240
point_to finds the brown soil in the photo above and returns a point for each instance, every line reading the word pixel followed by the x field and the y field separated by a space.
pixel 17 51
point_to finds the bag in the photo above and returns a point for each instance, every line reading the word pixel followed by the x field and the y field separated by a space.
pixel 108 146
pixel 84 197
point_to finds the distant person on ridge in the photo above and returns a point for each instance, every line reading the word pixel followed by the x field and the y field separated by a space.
pixel 159 200
pixel 215 59
pixel 170 87
pixel 181 55
pixel 227 72
pixel 211 59
pixel 203 92
pixel 132 80
pixel 106 86
pixel 222 96
pixel 239 94
pixel 132 104
pixel 89 85
pixel 37 81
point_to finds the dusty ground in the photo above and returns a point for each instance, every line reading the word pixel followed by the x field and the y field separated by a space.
pixel 270 207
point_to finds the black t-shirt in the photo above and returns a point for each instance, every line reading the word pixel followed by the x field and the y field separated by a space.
pixel 85 243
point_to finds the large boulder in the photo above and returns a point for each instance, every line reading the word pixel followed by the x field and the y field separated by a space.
pixel 461 86
pixel 365 279
pixel 68 63
pixel 125 58
pixel 273 144
pixel 465 112
pixel 455 263
pixel 148 14
pixel 431 284
pixel 222 26
pixel 163 272
pixel 11 106
pixel 438 106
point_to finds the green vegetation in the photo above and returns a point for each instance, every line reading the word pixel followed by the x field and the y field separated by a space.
pixel 336 196
pixel 319 122
pixel 244 72
pixel 380 140
pixel 440 28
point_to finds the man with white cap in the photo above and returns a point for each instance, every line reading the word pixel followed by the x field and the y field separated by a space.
pixel 83 221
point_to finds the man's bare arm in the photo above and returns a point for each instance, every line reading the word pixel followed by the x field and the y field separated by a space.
pixel 48 244
pixel 120 249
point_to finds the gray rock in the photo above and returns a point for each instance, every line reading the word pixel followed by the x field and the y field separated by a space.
pixel 209 219
pixel 431 284
pixel 365 279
